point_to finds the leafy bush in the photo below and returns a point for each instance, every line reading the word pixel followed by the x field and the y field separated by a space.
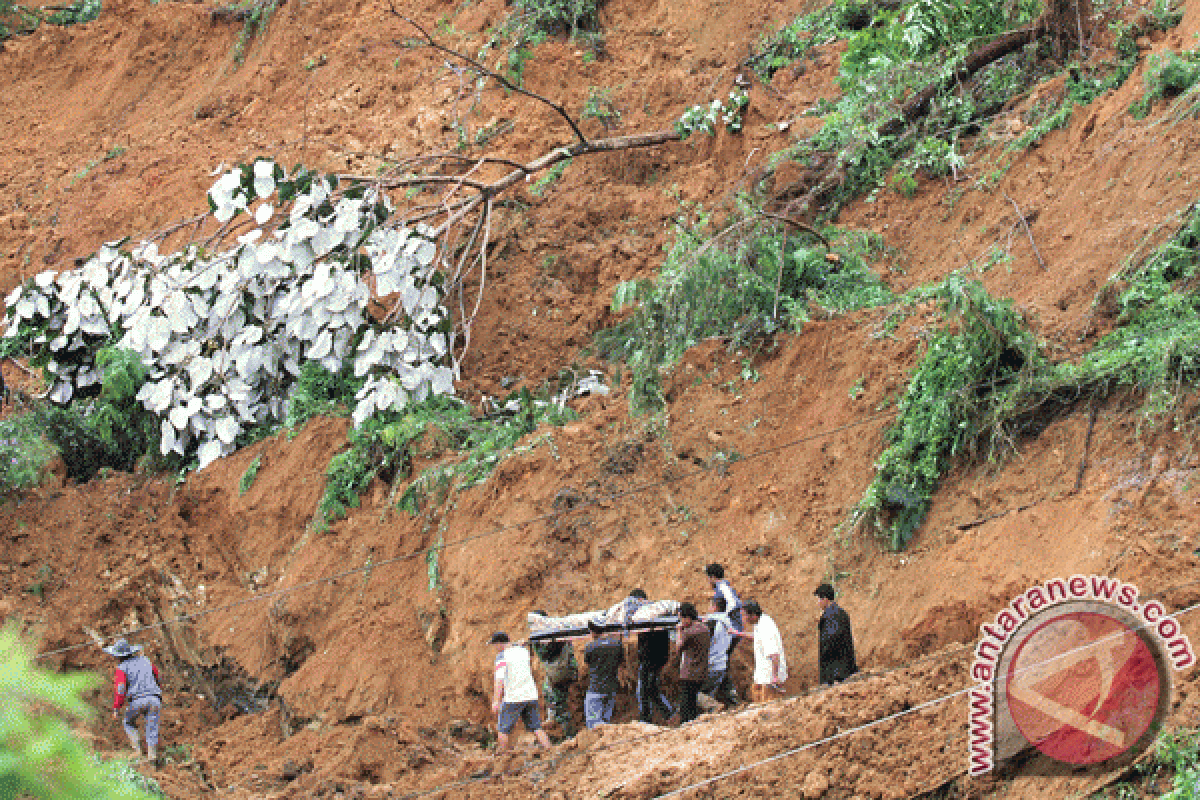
pixel 385 445
pixel 248 477
pixel 319 392
pixel 39 756
pixel 24 453
pixel 1167 75
pixel 1179 751
pixel 16 18
pixel 793 41
pixel 944 405
pixel 224 334
pixel 77 13
pixel 557 16
pixel 600 106
pixel 984 383
pixel 737 291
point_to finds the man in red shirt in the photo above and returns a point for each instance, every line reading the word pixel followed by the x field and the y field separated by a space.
pixel 135 685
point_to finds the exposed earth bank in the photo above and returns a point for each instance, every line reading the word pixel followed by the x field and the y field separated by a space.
pixel 377 682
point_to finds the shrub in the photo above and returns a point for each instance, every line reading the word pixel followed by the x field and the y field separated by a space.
pixel 1167 75
pixel 39 756
pixel 943 407
pixel 110 430
pixel 983 383
pixel 24 453
pixel 557 16
pixel 224 334
pixel 737 291
pixel 16 18
pixel 384 446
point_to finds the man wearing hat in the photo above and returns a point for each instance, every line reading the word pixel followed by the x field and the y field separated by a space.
pixel 835 648
pixel 135 685
pixel 515 694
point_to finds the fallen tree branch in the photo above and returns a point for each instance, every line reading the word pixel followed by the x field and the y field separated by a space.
pixel 1025 224
pixel 482 70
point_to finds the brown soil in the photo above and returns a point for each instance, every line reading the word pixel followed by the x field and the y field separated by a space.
pixel 374 684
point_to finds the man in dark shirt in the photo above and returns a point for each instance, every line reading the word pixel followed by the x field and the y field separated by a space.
pixel 835 651
pixel 694 640
pixel 654 651
pixel 603 655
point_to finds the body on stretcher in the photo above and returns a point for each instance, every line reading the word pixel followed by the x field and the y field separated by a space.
pixel 647 616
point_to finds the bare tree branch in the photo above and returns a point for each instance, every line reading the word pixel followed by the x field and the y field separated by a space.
pixel 500 79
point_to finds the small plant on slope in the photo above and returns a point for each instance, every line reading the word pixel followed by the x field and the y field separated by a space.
pixel 39 755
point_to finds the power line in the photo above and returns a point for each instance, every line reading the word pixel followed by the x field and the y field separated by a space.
pixel 476 537
pixel 951 651
pixel 898 714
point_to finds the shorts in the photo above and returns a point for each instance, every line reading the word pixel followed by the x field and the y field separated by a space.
pixel 526 711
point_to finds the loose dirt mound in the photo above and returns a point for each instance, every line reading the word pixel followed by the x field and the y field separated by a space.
pixel 378 681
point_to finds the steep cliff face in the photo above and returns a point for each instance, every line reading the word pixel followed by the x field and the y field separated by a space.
pixel 349 661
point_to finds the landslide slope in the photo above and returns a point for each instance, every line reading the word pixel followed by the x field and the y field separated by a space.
pixel 377 682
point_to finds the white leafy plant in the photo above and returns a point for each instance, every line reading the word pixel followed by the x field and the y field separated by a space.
pixel 224 335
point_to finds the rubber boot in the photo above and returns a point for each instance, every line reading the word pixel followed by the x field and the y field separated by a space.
pixel 136 745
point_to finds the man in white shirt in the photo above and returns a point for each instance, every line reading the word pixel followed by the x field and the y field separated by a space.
pixel 514 693
pixel 770 666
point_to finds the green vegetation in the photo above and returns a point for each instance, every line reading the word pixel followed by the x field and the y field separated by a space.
pixel 556 16
pixel 16 18
pixel 385 445
pixel 24 454
pixel 255 16
pixel 319 392
pixel 532 21
pixel 110 430
pixel 940 413
pixel 39 756
pixel 551 176
pixel 1168 75
pixel 600 106
pixel 247 479
pixel 1179 751
pixel 984 381
pixel 704 118
pixel 1175 751
pixel 734 288
pixel 795 40
pixel 892 55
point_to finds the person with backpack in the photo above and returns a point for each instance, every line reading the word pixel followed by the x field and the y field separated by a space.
pixel 136 686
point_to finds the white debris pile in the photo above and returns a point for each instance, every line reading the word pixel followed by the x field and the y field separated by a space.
pixel 224 335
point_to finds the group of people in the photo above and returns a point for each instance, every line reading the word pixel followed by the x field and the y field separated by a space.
pixel 703 645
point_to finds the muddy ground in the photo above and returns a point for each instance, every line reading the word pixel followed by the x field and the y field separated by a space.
pixel 374 684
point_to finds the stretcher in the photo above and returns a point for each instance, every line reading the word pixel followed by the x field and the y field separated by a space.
pixel 624 616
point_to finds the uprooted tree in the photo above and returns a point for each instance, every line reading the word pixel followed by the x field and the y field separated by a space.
pixel 378 276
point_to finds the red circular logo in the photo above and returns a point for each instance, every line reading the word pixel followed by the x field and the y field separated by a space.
pixel 1083 687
